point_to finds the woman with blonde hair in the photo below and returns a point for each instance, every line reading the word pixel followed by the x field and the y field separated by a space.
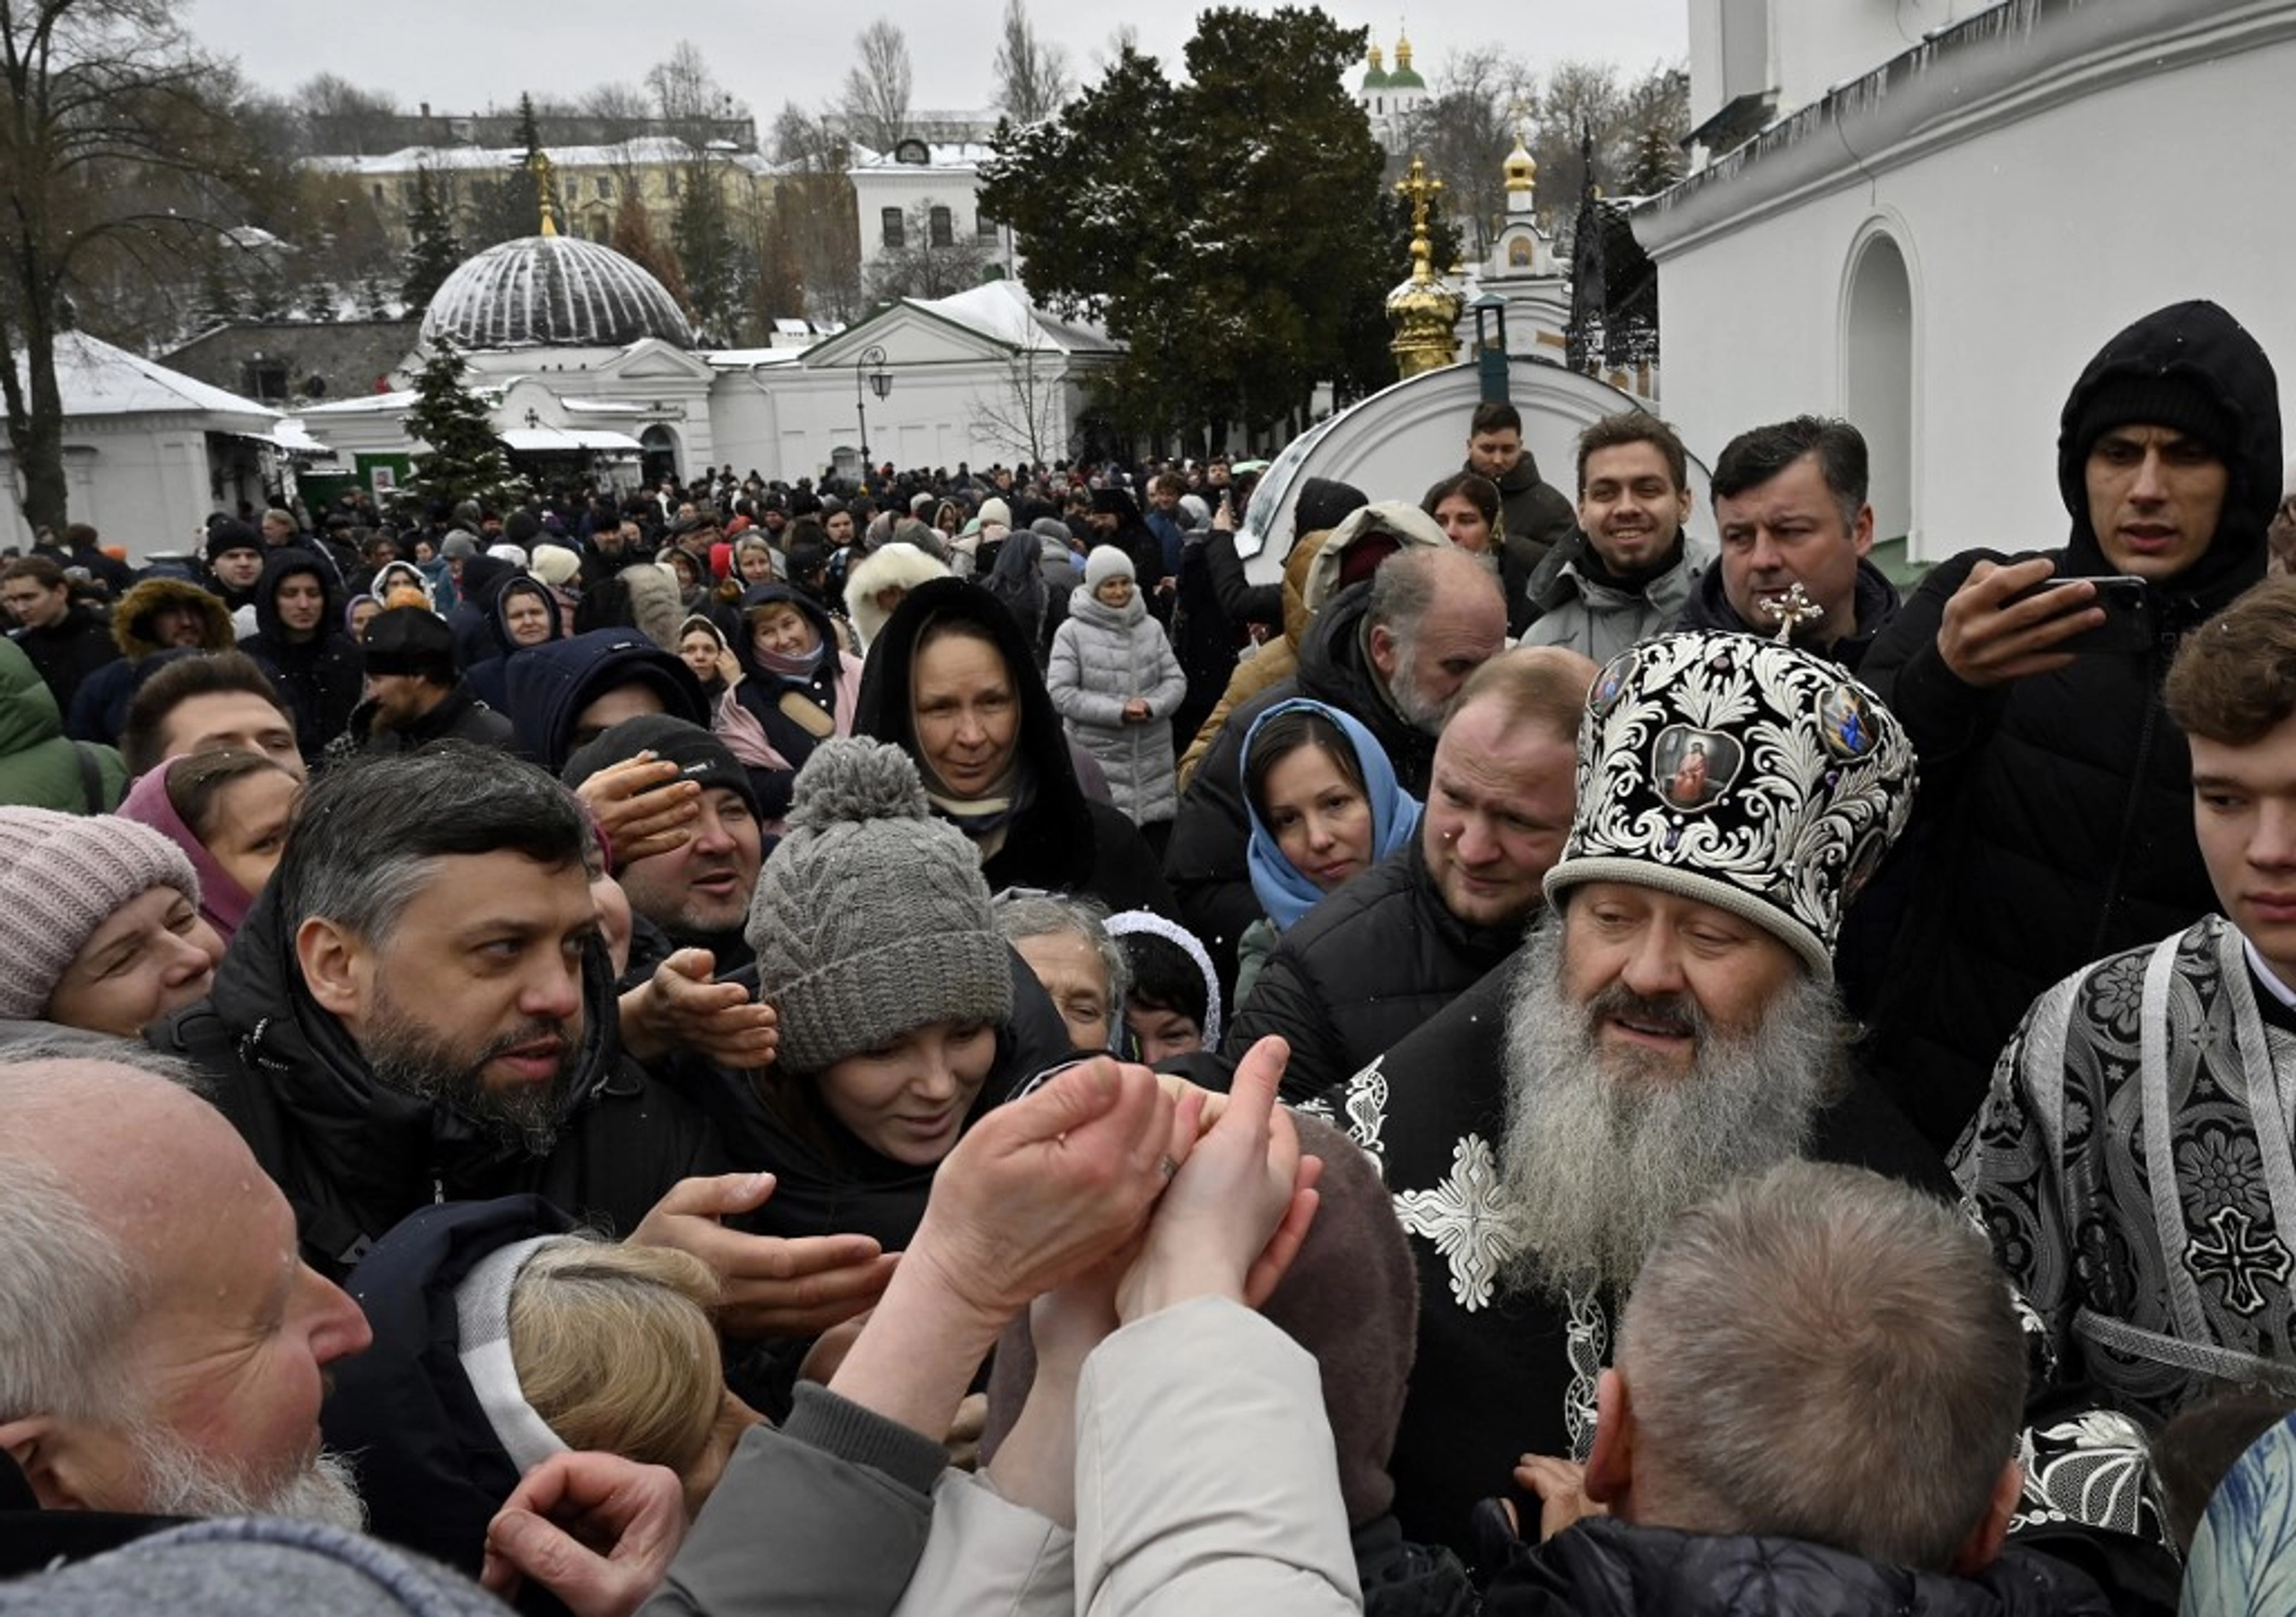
pixel 504 1336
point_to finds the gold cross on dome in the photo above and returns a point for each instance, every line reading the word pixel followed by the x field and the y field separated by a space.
pixel 1420 189
pixel 1791 612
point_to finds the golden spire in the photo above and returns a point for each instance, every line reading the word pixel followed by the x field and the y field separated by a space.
pixel 1425 312
pixel 1378 63
pixel 539 165
pixel 1403 51
pixel 1522 167
pixel 1421 190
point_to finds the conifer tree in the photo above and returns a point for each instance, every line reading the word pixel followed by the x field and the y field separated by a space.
pixel 466 459
pixel 435 252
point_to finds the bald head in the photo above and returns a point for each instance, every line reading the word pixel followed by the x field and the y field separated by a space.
pixel 82 1160
pixel 1435 615
pixel 166 1345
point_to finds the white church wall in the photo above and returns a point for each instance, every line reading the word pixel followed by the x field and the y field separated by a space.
pixel 790 421
pixel 2028 245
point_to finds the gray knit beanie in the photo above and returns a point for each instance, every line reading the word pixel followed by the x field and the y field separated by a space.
pixel 871 918
pixel 61 877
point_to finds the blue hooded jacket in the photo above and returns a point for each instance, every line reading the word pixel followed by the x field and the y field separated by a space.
pixel 547 686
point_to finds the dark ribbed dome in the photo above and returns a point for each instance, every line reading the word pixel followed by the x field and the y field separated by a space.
pixel 554 291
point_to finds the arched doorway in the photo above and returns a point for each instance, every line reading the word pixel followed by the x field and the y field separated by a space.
pixel 660 448
pixel 1877 355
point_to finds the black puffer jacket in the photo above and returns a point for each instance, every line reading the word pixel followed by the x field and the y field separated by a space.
pixel 1362 970
pixel 1205 859
pixel 322 677
pixel 1532 512
pixel 430 1468
pixel 1060 840
pixel 353 1158
pixel 1603 1568
pixel 2058 810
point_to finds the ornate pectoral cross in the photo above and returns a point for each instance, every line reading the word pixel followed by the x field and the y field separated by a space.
pixel 1796 610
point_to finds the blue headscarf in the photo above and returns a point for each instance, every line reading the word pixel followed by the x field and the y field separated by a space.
pixel 1284 892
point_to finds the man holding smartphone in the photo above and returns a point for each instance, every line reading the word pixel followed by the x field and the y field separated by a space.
pixel 2053 822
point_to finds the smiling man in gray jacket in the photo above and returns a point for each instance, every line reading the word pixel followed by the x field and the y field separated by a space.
pixel 1628 569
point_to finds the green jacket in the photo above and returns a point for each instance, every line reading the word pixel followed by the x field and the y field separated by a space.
pixel 39 768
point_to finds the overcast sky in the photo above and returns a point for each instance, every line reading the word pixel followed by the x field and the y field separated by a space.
pixel 463 55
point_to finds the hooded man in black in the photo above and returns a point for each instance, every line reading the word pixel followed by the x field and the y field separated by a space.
pixel 558 690
pixel 298 642
pixel 2057 795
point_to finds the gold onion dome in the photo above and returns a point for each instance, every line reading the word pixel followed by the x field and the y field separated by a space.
pixel 1405 76
pixel 1522 169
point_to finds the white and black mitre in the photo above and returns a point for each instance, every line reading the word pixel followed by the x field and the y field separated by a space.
pixel 1742 773
pixel 553 291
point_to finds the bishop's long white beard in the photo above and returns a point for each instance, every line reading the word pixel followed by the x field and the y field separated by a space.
pixel 181 1481
pixel 1600 1158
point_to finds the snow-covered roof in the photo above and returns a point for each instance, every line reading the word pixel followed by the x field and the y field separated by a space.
pixel 96 378
pixel 1002 310
pixel 371 403
pixel 743 359
pixel 495 160
pixel 939 154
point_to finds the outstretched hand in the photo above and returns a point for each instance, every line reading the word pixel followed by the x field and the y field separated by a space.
pixel 1045 1187
pixel 772 1286
pixel 681 1007
pixel 1561 1487
pixel 1239 1208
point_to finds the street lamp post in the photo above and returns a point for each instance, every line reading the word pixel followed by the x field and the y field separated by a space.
pixel 880 382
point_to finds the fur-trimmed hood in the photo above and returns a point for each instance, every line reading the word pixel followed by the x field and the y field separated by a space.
pixel 131 620
pixel 895 566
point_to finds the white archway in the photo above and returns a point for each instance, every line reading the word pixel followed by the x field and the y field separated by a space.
pixel 1878 381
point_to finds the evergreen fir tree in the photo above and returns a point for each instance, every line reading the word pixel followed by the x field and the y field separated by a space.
pixel 267 297
pixel 318 303
pixel 220 299
pixel 435 252
pixel 466 459
pixel 374 297
pixel 1224 240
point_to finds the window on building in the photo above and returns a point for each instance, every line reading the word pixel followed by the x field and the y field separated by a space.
pixel 944 230
pixel 379 193
pixel 1745 47
pixel 605 188
pixel 894 228
pixel 985 227
pixel 670 183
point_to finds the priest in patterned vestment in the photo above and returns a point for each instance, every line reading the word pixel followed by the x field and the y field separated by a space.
pixel 1671 1025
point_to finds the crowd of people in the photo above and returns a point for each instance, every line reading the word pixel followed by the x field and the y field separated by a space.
pixel 935 1048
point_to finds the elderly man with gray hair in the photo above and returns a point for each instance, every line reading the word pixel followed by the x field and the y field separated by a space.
pixel 1814 1406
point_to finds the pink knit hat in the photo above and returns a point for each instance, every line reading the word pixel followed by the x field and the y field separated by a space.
pixel 61 877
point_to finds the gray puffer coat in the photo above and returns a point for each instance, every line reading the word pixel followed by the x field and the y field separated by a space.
pixel 1102 658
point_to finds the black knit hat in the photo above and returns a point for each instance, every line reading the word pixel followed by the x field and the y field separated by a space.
pixel 698 754
pixel 410 640
pixel 1324 503
pixel 224 537
pixel 2178 400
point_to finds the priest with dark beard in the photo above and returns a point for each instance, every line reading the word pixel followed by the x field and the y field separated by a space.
pixel 1671 1025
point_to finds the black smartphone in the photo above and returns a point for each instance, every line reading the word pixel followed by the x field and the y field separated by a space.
pixel 2128 615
